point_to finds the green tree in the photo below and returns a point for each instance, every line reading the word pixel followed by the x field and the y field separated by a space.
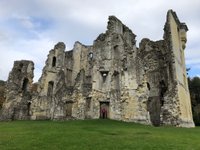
pixel 194 87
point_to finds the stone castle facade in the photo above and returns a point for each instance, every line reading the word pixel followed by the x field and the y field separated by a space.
pixel 111 78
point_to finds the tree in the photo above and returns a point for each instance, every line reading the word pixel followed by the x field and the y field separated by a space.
pixel 194 87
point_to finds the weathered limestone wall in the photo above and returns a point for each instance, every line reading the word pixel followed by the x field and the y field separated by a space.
pixel 112 78
pixel 18 96
pixel 52 79
pixel 178 39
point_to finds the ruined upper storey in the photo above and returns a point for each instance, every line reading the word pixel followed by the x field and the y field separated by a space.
pixel 111 78
pixel 174 27
pixel 115 26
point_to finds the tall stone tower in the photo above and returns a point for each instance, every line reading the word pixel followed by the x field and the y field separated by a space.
pixel 51 82
pixel 18 91
pixel 176 38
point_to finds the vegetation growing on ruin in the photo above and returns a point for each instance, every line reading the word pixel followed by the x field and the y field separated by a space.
pixel 94 134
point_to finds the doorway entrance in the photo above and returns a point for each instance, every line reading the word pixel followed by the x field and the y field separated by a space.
pixel 104 110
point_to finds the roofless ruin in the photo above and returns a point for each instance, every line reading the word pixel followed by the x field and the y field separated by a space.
pixel 110 79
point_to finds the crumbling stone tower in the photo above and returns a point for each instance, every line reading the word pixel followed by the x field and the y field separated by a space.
pixel 176 38
pixel 164 62
pixel 18 92
pixel 110 79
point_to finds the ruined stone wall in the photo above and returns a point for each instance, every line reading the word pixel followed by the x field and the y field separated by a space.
pixel 18 95
pixel 176 33
pixel 50 85
pixel 111 78
pixel 114 74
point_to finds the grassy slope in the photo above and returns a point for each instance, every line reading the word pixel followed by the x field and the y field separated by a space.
pixel 94 135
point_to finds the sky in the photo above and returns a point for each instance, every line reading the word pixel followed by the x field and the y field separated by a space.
pixel 30 28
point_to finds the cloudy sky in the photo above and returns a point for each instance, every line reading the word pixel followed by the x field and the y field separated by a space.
pixel 30 28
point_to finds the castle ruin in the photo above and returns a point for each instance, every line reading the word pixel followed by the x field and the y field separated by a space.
pixel 110 79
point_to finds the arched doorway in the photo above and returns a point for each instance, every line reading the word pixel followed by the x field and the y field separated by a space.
pixel 104 110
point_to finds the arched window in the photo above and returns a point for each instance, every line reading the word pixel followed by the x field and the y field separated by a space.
pixel 54 62
pixel 25 85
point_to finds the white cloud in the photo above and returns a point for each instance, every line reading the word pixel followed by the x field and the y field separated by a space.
pixel 35 50
pixel 69 21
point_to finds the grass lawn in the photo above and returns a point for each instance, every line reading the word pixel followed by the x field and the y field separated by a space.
pixel 94 135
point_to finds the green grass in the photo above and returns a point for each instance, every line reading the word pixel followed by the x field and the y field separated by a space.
pixel 95 135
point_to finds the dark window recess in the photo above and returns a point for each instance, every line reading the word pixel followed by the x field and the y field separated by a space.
pixel 163 89
pixel 148 86
pixel 90 56
pixel 104 74
pixel 25 85
pixel 50 88
pixel 54 62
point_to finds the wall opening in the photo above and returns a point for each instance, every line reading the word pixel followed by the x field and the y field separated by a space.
pixel 54 62
pixel 68 108
pixel 104 110
pixel 153 106
pixel 148 86
pixel 104 75
pixel 50 89
pixel 25 85
pixel 116 52
pixel 163 89
pixel 90 56
pixel 28 109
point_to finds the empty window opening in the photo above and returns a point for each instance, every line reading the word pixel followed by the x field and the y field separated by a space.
pixel 54 62
pixel 50 88
pixel 163 89
pixel 116 52
pixel 25 85
pixel 90 56
pixel 148 86
pixel 104 74
pixel 28 108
